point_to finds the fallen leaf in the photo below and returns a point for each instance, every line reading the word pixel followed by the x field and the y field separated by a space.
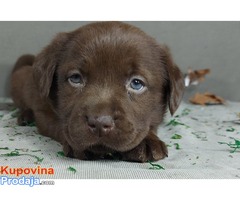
pixel 235 146
pixel 177 146
pixel 230 130
pixel 193 77
pixel 72 169
pixel 155 166
pixel 206 99
pixel 60 153
pixel 176 137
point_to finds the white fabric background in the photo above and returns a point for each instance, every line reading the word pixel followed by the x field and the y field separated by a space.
pixel 200 155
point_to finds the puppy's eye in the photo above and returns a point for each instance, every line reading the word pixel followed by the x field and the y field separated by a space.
pixel 137 84
pixel 75 79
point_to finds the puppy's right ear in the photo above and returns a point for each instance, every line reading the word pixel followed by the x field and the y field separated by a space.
pixel 175 80
pixel 46 63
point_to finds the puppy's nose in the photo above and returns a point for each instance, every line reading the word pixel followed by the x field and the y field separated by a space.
pixel 101 125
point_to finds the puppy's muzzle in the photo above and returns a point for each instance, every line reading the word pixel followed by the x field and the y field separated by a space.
pixel 100 125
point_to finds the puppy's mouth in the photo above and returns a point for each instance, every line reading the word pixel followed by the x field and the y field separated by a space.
pixel 118 136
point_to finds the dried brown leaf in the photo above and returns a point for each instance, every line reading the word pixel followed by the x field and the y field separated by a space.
pixel 206 99
pixel 193 77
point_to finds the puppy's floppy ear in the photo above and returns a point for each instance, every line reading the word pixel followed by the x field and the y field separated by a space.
pixel 176 80
pixel 46 63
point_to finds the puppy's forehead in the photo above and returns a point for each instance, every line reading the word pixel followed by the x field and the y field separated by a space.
pixel 112 48
pixel 106 43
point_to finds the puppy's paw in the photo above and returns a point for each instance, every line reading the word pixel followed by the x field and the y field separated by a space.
pixel 150 149
pixel 71 153
pixel 26 117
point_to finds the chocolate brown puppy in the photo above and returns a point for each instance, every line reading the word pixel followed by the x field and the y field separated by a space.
pixel 99 90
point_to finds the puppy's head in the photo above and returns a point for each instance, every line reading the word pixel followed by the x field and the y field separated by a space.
pixel 110 84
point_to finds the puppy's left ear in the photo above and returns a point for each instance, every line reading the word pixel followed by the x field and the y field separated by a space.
pixel 46 63
pixel 176 80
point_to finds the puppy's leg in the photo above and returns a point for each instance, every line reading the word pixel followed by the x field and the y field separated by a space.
pixel 150 149
pixel 25 117
pixel 69 152
pixel 25 60
pixel 21 88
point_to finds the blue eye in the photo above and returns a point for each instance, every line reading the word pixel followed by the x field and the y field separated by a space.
pixel 137 84
pixel 75 78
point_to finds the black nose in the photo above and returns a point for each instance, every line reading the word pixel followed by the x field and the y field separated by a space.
pixel 101 125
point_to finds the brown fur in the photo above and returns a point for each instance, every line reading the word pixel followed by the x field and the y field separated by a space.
pixel 103 112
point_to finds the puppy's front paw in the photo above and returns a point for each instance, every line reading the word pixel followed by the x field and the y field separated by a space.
pixel 71 153
pixel 150 149
pixel 25 117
